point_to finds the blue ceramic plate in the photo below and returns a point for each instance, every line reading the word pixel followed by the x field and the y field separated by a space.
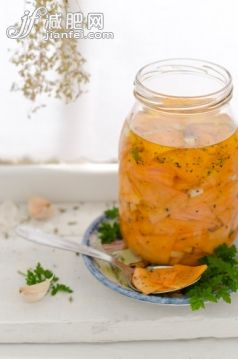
pixel 111 278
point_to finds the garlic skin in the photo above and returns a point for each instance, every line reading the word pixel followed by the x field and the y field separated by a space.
pixel 9 215
pixel 34 293
pixel 40 208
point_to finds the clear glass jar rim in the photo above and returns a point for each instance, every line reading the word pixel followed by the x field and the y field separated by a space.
pixel 170 102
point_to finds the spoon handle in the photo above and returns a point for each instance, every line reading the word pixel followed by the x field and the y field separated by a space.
pixel 36 235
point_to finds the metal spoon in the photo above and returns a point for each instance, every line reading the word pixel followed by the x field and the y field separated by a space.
pixel 37 236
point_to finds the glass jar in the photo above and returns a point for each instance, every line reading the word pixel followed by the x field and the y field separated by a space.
pixel 178 175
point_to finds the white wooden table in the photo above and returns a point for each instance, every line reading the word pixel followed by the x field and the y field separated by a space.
pixel 192 349
pixel 97 314
pixel 93 325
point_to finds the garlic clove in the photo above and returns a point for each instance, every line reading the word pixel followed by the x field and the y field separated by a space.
pixel 190 140
pixel 194 192
pixel 40 208
pixel 34 293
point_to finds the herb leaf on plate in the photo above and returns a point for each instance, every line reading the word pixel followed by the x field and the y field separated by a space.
pixel 112 213
pixel 218 281
pixel 109 229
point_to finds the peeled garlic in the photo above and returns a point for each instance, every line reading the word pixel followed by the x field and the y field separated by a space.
pixel 190 140
pixel 34 293
pixel 195 192
pixel 40 208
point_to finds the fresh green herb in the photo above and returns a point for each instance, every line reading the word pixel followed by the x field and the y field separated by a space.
pixel 136 154
pixel 159 158
pixel 39 274
pixel 60 288
pixel 112 213
pixel 109 232
pixel 109 229
pixel 218 281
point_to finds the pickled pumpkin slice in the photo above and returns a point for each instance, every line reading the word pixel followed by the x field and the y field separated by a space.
pixel 165 279
pixel 155 173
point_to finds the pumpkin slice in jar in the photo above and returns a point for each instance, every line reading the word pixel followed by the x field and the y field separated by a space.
pixel 189 166
pixel 166 136
pixel 195 209
pixel 158 129
pixel 166 279
pixel 128 191
pixel 157 173
pixel 153 193
pixel 209 133
pixel 156 249
pixel 215 239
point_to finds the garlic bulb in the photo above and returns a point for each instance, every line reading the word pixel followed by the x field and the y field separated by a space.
pixel 40 208
pixel 34 293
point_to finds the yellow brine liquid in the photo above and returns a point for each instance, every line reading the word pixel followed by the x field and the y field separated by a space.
pixel 178 185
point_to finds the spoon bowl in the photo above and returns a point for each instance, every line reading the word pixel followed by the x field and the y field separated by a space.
pixel 40 237
pixel 153 267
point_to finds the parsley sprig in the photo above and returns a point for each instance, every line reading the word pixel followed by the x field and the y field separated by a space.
pixel 218 281
pixel 59 287
pixel 136 154
pixel 40 274
pixel 109 229
pixel 112 213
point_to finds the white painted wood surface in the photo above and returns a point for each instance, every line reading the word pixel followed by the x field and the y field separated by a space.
pixel 193 349
pixel 96 314
pixel 59 182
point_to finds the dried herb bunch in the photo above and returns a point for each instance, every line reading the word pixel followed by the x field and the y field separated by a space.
pixel 52 67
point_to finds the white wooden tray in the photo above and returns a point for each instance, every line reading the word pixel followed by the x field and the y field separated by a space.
pixel 96 314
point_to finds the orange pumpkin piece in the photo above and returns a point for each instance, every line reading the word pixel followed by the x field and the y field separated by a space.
pixel 165 279
pixel 156 174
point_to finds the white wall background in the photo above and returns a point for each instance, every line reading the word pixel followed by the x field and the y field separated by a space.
pixel 145 31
